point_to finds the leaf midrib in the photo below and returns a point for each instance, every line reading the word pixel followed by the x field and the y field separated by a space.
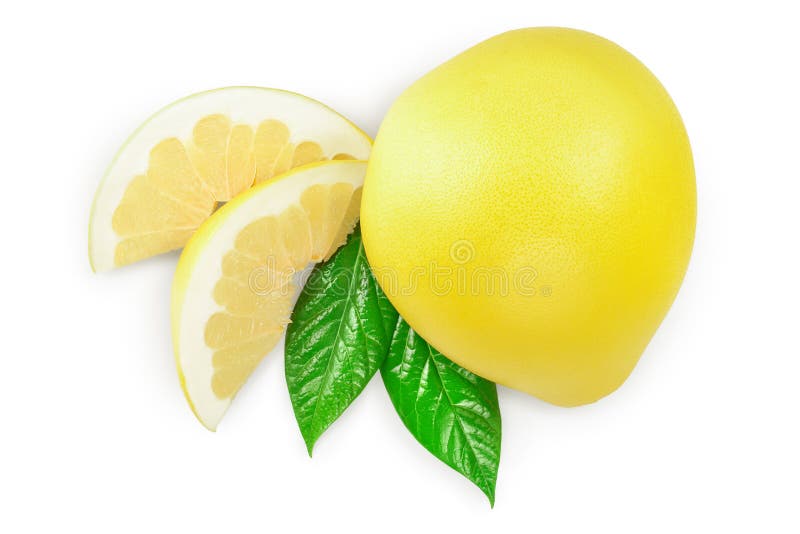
pixel 328 374
pixel 459 422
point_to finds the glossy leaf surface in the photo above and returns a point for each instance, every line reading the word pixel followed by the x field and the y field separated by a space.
pixel 339 336
pixel 452 412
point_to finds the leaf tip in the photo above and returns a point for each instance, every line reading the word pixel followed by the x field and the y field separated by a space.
pixel 310 446
pixel 489 491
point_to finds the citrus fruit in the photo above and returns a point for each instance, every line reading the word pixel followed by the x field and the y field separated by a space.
pixel 238 276
pixel 199 152
pixel 529 208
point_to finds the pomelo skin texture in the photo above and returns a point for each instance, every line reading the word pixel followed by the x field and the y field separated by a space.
pixel 529 208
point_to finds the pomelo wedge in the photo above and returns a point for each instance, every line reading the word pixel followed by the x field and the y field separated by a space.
pixel 238 277
pixel 199 152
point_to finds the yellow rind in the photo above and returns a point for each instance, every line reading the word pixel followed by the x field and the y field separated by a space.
pixel 546 152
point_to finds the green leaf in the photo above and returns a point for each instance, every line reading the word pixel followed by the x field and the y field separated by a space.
pixel 339 336
pixel 452 412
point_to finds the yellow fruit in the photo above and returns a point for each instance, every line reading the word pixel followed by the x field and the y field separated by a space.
pixel 238 276
pixel 200 152
pixel 529 207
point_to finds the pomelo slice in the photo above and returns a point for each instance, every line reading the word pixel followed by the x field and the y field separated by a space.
pixel 199 152
pixel 238 277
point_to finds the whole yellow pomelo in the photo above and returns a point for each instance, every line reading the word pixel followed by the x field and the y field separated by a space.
pixel 529 208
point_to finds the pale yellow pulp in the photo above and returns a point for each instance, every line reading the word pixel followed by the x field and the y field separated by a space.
pixel 185 182
pixel 257 284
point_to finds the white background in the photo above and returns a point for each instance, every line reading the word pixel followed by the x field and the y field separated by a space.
pixel 96 435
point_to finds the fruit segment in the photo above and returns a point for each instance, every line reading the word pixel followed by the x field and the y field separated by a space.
pixel 192 157
pixel 162 207
pixel 181 188
pixel 257 288
pixel 238 278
